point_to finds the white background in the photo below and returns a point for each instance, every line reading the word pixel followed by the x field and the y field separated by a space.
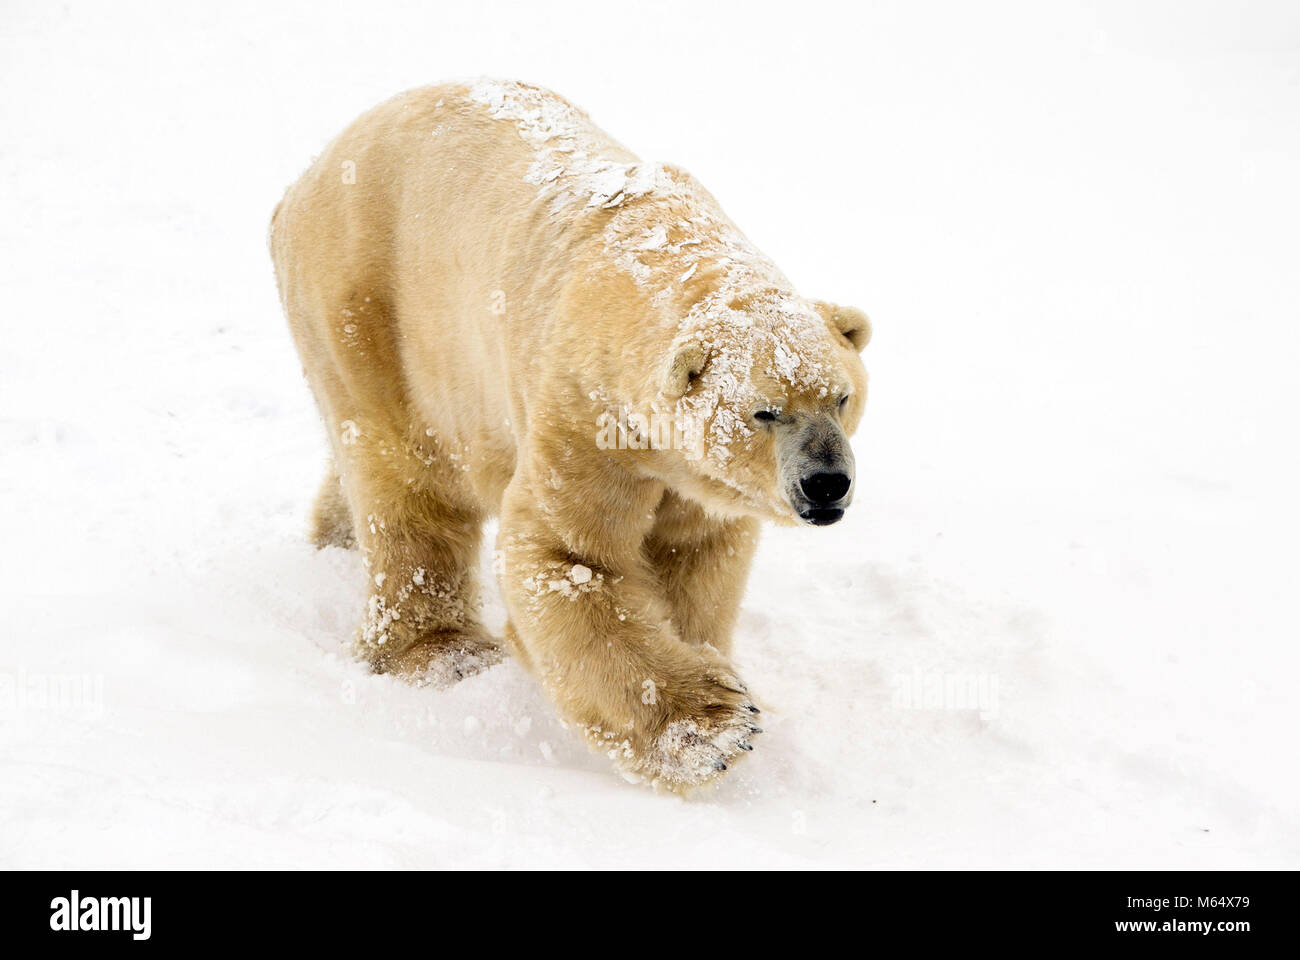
pixel 1075 228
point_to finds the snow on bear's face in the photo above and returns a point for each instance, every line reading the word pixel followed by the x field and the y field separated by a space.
pixel 769 387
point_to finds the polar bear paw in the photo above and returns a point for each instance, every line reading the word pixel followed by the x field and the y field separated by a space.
pixel 697 746
pixel 444 659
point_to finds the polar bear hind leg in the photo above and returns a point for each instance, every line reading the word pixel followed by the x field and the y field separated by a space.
pixel 331 517
pixel 420 539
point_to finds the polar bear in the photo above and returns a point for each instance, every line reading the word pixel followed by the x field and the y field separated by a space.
pixel 501 311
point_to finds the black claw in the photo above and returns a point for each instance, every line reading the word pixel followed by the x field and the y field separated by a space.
pixel 755 729
pixel 719 766
pixel 752 709
pixel 744 746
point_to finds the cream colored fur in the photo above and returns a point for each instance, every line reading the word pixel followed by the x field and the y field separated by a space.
pixel 473 275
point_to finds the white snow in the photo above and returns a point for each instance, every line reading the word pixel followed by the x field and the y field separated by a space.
pixel 570 164
pixel 1058 627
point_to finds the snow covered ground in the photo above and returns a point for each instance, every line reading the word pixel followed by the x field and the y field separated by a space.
pixel 1057 629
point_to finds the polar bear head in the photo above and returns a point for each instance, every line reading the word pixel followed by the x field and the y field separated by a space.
pixel 768 387
pixel 762 385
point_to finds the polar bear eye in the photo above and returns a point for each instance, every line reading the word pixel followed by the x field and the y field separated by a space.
pixel 844 401
pixel 765 416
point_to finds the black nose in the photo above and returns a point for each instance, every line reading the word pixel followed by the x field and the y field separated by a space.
pixel 824 488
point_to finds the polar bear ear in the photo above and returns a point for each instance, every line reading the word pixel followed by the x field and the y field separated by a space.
pixel 851 322
pixel 686 363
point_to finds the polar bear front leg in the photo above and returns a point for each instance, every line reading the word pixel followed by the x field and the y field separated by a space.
pixel 590 613
pixel 703 563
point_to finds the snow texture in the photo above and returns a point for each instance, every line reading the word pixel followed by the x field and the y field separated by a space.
pixel 1056 629
pixel 570 165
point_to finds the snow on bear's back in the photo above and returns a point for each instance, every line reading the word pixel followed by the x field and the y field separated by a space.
pixel 702 276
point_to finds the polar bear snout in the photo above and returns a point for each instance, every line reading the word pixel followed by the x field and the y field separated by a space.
pixel 817 472
pixel 825 496
pixel 825 489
